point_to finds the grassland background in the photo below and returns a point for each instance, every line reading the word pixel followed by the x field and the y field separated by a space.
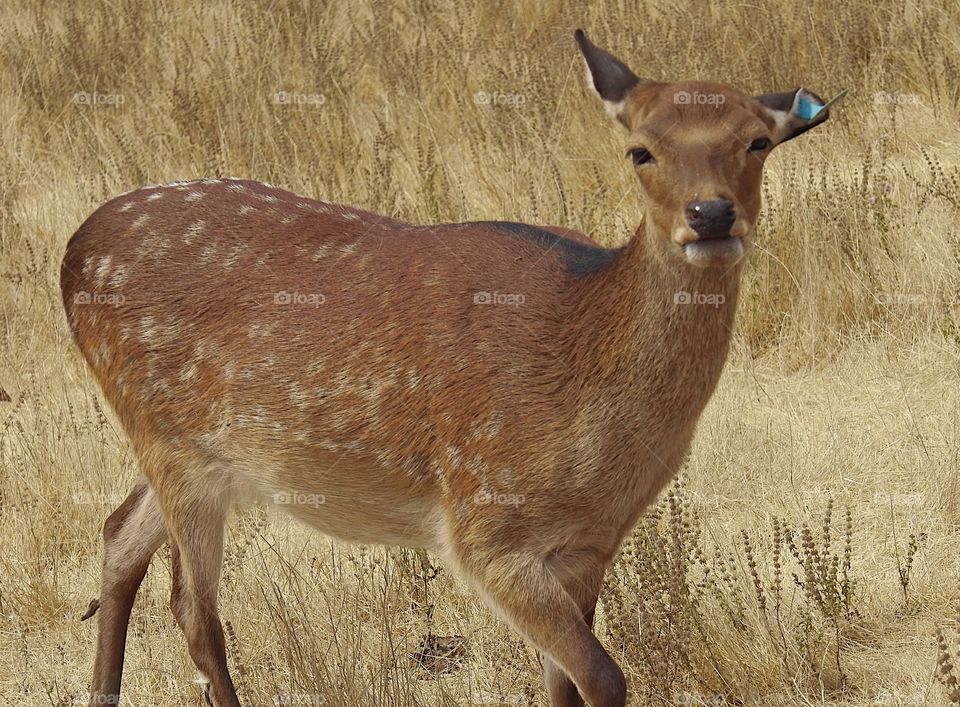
pixel 843 383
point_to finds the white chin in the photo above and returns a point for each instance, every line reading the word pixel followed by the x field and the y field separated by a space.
pixel 718 252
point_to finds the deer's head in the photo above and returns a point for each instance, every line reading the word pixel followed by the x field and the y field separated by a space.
pixel 698 148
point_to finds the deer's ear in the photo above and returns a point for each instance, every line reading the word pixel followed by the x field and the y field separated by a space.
pixel 794 112
pixel 609 77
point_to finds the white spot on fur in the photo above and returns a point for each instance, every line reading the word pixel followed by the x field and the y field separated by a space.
pixel 215 437
pixel 162 385
pixel 298 396
pixel 343 383
pixel 347 250
pixel 413 378
pixel 156 195
pixel 153 245
pixel 119 276
pixel 255 418
pixel 246 209
pixel 103 353
pixel 453 456
pixel 194 195
pixel 193 230
pixel 208 253
pixel 139 221
pixel 233 257
pixel 488 428
pixel 260 330
pixel 103 267
pixel 320 253
pixel 148 329
pixel 127 206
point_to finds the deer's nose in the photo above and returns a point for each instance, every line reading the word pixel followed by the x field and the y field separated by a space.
pixel 712 218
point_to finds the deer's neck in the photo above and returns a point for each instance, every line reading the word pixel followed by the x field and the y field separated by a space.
pixel 652 338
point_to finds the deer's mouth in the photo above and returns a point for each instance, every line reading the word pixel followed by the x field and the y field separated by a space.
pixel 714 252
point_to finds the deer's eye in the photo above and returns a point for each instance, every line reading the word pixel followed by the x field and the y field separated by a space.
pixel 640 155
pixel 760 144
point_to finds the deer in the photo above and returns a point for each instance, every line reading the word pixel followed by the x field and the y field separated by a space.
pixel 509 397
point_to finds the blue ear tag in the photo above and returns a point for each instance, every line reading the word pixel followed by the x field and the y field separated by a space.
pixel 806 107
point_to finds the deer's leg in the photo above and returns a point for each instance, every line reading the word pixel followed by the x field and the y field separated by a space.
pixel 196 517
pixel 525 591
pixel 179 598
pixel 584 588
pixel 131 535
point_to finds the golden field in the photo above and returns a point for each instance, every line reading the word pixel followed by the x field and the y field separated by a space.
pixel 810 553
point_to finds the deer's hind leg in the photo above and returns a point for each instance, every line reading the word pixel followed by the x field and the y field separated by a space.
pixel 195 501
pixel 131 535
pixel 583 586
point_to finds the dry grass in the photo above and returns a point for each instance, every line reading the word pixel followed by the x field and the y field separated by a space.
pixel 842 393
